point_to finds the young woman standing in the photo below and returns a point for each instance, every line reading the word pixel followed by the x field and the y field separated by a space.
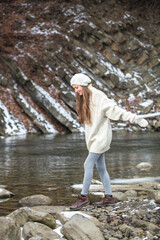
pixel 95 110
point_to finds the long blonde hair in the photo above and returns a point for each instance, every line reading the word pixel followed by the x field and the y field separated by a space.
pixel 83 106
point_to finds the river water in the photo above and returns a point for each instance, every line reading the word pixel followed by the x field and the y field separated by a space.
pixel 48 164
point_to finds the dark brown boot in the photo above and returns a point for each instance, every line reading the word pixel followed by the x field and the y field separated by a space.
pixel 81 201
pixel 107 200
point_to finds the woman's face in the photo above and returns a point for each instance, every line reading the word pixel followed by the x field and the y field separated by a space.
pixel 78 89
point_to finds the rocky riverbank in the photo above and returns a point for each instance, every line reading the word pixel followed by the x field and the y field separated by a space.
pixel 135 215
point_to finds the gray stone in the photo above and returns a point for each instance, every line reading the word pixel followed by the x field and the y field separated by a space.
pixel 131 193
pixel 111 57
pixel 25 214
pixel 65 216
pixel 119 196
pixel 127 230
pixel 133 44
pixel 120 37
pixel 38 119
pixel 143 58
pixel 80 227
pixel 144 165
pixel 3 80
pixel 154 194
pixel 146 106
pixel 95 196
pixel 9 230
pixel 69 99
pixel 5 193
pixel 35 229
pixel 35 200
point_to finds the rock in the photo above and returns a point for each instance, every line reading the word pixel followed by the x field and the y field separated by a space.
pixel 3 80
pixel 131 193
pixel 53 107
pixel 69 99
pixel 120 37
pixel 154 195
pixel 119 196
pixel 67 215
pixel 143 58
pixel 25 214
pixel 16 71
pixel 128 230
pixel 3 186
pixel 144 166
pixel 5 193
pixel 35 200
pixel 146 106
pixel 80 227
pixel 110 56
pixel 35 229
pixel 133 44
pixel 9 230
pixel 53 210
pixel 157 124
pixel 38 119
pixel 95 197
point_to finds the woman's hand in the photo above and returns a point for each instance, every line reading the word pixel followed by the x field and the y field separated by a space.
pixel 141 121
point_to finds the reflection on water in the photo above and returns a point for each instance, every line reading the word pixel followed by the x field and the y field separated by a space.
pixel 47 164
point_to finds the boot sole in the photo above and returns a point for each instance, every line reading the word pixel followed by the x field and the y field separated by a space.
pixel 78 208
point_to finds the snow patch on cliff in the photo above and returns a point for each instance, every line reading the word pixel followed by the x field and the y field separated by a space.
pixel 12 125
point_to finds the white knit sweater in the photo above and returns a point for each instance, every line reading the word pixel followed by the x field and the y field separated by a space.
pixel 98 134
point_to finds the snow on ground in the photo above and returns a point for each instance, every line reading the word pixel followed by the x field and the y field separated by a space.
pixel 12 124
pixel 131 97
pixel 58 230
pixel 146 103
pixel 69 214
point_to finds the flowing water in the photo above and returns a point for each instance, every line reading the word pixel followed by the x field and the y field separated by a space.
pixel 48 164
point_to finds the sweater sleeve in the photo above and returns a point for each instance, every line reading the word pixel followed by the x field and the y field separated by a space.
pixel 114 112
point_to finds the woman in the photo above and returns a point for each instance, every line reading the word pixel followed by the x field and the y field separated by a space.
pixel 95 110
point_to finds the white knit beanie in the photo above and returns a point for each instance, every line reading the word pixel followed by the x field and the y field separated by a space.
pixel 80 79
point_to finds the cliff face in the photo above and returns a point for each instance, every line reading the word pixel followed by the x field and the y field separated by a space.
pixel 43 43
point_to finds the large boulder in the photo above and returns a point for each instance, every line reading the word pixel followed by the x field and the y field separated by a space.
pixel 65 216
pixel 35 229
pixel 80 227
pixel 35 200
pixel 9 230
pixel 25 214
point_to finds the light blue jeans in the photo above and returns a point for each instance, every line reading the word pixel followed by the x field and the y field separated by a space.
pixel 99 160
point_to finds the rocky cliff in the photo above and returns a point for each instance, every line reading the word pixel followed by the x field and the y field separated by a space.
pixel 43 43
